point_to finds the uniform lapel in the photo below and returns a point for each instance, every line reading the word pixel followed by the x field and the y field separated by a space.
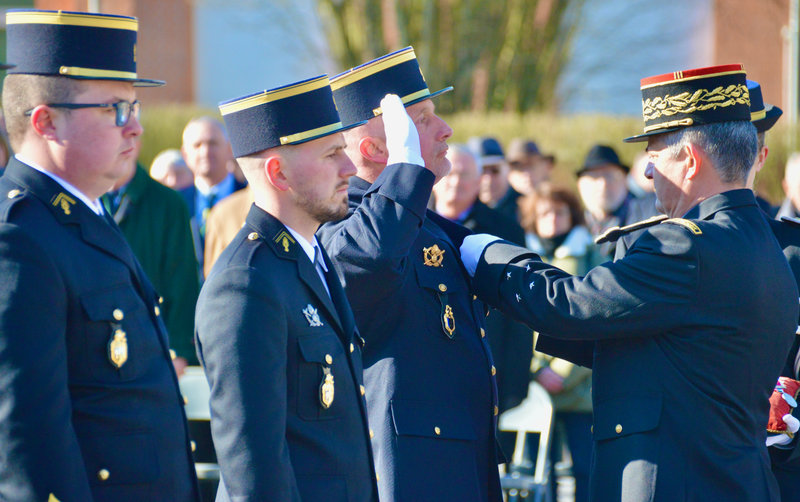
pixel 308 274
pixel 286 247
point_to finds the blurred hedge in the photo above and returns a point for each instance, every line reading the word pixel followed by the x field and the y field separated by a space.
pixel 568 137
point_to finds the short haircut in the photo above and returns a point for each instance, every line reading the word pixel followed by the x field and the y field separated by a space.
pixel 762 140
pixel 22 92
pixel 207 119
pixel 731 146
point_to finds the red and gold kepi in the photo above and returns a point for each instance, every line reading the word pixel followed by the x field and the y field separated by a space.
pixel 693 97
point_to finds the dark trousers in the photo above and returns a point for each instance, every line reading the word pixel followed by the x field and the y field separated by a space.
pixel 787 474
pixel 574 431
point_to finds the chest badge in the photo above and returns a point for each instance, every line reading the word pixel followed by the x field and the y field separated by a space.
pixel 449 321
pixel 326 388
pixel 312 316
pixel 118 348
pixel 433 256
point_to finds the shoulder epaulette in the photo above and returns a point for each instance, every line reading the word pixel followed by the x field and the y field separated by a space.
pixel 614 233
pixel 791 219
pixel 688 224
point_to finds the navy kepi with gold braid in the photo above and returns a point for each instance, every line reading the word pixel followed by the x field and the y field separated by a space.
pixel 358 92
pixel 73 44
pixel 287 115
pixel 693 97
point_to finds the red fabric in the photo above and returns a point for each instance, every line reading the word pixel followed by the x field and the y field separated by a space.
pixel 778 407
pixel 708 71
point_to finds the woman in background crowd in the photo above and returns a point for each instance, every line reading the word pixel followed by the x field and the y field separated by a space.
pixel 553 222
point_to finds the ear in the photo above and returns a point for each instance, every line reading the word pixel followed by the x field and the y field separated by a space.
pixel 373 150
pixel 273 168
pixel 695 160
pixel 42 122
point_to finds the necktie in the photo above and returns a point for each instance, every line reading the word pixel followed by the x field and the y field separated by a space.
pixel 208 202
pixel 319 265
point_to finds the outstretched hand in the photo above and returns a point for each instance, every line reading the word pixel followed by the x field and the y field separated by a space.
pixel 402 138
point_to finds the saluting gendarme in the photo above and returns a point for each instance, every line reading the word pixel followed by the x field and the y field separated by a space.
pixel 429 376
pixel 90 407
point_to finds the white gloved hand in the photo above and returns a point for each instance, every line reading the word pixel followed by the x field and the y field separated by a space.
pixel 472 250
pixel 792 425
pixel 402 138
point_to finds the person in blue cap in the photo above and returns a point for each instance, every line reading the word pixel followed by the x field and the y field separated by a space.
pixel 274 330
pixel 90 407
pixel 687 333
pixel 763 116
pixel 428 370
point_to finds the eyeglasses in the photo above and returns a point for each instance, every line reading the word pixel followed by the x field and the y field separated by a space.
pixel 123 109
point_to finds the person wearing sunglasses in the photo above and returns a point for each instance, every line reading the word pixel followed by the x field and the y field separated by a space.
pixel 90 408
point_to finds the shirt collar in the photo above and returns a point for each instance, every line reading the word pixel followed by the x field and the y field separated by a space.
pixel 95 205
pixel 310 248
pixel 223 187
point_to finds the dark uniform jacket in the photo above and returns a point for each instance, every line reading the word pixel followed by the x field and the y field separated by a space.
pixel 155 223
pixel 431 394
pixel 267 336
pixel 689 332
pixel 72 424
pixel 786 462
pixel 511 341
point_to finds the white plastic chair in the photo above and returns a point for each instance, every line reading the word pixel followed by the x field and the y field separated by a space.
pixel 195 390
pixel 533 415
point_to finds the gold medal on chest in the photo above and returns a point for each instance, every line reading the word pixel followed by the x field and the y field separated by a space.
pixel 449 321
pixel 118 348
pixel 326 389
pixel 433 256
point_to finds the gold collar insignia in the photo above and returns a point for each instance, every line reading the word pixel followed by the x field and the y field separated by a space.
pixel 65 202
pixel 284 238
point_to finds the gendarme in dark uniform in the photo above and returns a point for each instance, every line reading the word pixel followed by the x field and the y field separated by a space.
pixel 686 334
pixel 428 370
pixel 90 408
pixel 279 346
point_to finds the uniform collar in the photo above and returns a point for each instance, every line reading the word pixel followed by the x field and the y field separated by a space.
pixel 310 248
pixel 94 205
pixel 706 209
pixel 221 189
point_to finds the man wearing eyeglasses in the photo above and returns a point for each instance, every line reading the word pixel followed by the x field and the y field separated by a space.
pixel 90 407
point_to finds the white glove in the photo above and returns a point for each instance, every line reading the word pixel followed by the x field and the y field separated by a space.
pixel 472 249
pixel 402 138
pixel 792 425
